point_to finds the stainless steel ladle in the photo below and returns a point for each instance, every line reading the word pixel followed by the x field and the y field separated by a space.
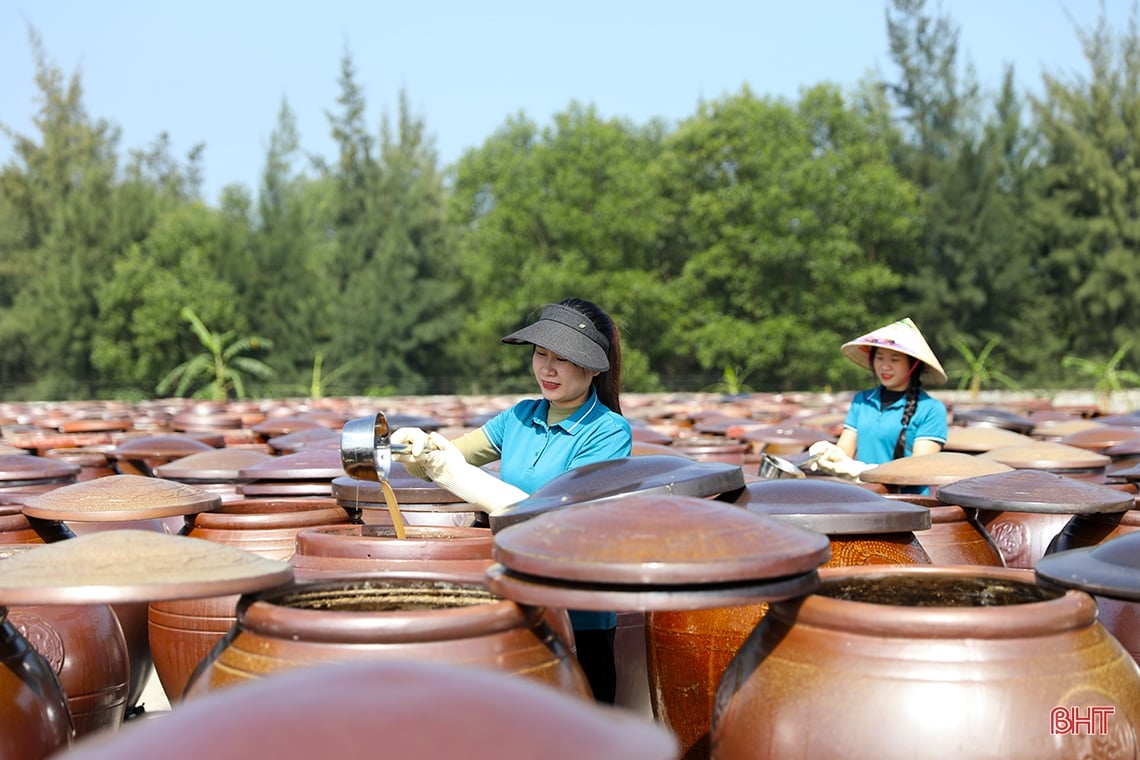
pixel 365 448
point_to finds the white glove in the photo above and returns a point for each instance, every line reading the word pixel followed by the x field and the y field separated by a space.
pixel 445 465
pixel 417 442
pixel 833 460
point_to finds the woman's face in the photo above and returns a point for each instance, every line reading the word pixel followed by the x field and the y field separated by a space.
pixel 563 383
pixel 892 369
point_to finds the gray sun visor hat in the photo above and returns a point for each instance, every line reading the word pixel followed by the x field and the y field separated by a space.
pixel 569 334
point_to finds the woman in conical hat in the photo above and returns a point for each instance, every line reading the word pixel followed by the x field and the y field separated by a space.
pixel 898 417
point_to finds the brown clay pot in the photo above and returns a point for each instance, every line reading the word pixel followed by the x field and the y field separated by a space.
pixel 85 648
pixel 906 661
pixel 689 650
pixel 1120 616
pixel 183 631
pixel 955 537
pixel 35 720
pixel 360 551
pixel 457 621
pixel 422 710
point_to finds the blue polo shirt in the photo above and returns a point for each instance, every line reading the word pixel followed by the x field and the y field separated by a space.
pixel 533 452
pixel 878 427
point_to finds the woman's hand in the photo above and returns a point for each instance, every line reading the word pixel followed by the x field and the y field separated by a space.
pixel 444 463
pixel 833 460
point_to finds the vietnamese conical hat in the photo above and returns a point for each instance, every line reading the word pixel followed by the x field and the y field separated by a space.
pixel 902 336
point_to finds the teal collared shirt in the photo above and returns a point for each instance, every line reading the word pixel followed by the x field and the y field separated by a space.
pixel 878 427
pixel 533 452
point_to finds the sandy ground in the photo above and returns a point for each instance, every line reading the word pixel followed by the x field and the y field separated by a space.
pixel 153 698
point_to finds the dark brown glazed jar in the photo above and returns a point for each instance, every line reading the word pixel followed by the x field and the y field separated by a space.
pixel 1120 616
pixel 906 661
pixel 35 721
pixel 183 631
pixel 457 621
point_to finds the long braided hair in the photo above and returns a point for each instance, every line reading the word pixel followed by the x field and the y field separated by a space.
pixel 914 385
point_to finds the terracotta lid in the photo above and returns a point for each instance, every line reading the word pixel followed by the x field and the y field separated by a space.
pixel 408 489
pixel 1127 448
pixel 1056 430
pixel 1034 491
pixel 423 422
pixel 1046 455
pixel 120 497
pixel 6 449
pixel 646 434
pixel 1101 437
pixel 1129 472
pixel 275 426
pixel 975 438
pixel 935 469
pixel 307 464
pixel 1109 569
pixel 784 435
pixel 134 566
pixel 206 420
pixel 832 507
pixel 19 469
pixel 423 710
pixel 654 552
pixel 158 446
pixel 293 442
pixel 993 417
pixel 625 476
pixel 215 465
pixel 643 449
pixel 1132 420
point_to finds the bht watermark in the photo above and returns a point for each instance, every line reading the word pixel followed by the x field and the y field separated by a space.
pixel 1080 720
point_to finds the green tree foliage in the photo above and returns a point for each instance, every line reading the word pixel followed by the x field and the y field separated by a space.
pixel 1087 216
pixel 139 333
pixel 1108 377
pixel 790 217
pixel 395 308
pixel 570 211
pixel 220 370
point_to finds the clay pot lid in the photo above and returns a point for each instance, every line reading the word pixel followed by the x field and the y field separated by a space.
pixel 645 434
pixel 207 420
pixel 310 463
pixel 935 469
pixel 654 552
pixel 19 469
pixel 993 417
pixel 832 507
pixel 421 421
pixel 1101 437
pixel 974 438
pixel 784 435
pixel 134 566
pixel 1109 569
pixel 1128 448
pixel 7 449
pixel 1034 491
pixel 1056 430
pixel 215 465
pixel 1046 455
pixel 158 446
pixel 625 476
pixel 120 497
pixel 277 426
pixel 408 489
pixel 292 442
pixel 423 710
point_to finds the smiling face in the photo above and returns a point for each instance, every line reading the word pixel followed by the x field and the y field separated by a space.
pixel 891 368
pixel 562 382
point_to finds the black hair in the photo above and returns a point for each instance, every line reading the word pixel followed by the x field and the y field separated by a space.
pixel 914 385
pixel 608 383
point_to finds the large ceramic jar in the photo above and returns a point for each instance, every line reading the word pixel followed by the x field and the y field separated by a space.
pixel 688 650
pixel 955 537
pixel 459 622
pixel 183 631
pixel 906 661
pixel 375 550
pixel 34 718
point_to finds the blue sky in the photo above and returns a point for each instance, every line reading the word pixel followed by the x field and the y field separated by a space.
pixel 216 72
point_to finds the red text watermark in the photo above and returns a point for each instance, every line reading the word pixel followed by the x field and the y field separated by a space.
pixel 1080 720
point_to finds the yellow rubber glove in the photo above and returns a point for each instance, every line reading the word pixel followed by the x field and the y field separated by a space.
pixel 445 465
